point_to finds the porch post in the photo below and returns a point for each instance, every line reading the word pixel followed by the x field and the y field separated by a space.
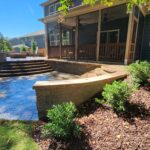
pixel 77 38
pixel 129 38
pixel 60 42
pixel 46 41
pixel 98 36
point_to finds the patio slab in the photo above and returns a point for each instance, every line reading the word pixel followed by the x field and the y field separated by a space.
pixel 17 98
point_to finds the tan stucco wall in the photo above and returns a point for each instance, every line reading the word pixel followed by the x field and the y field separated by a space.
pixel 76 90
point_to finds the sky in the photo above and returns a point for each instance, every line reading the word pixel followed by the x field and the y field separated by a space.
pixel 20 17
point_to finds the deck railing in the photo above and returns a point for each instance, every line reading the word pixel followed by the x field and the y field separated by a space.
pixel 108 52
pixel 131 55
pixel 68 51
pixel 112 52
pixel 87 52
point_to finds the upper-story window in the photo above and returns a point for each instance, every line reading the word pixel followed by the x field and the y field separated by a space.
pixel 53 8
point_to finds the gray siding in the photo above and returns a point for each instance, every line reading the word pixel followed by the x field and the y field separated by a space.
pixel 40 40
pixel 146 40
pixel 46 8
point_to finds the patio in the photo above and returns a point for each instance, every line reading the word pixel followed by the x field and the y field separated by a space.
pixel 17 98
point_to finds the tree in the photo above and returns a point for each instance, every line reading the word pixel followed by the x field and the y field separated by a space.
pixel 4 43
pixel 65 4
pixel 33 45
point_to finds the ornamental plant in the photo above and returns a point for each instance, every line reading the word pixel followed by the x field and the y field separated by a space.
pixel 117 95
pixel 61 122
pixel 140 72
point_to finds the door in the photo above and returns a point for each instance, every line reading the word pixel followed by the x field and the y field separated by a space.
pixel 109 40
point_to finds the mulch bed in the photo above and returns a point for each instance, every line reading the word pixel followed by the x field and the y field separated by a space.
pixel 104 129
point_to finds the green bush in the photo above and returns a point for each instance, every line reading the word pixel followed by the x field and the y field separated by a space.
pixel 62 123
pixel 23 49
pixel 139 71
pixel 116 95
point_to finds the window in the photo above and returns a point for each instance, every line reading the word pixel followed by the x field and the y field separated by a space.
pixel 54 38
pixel 110 36
pixel 53 8
pixel 53 33
pixel 66 37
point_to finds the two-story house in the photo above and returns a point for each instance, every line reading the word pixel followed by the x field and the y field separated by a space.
pixel 97 33
pixel 26 40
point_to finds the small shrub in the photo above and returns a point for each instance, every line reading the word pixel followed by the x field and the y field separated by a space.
pixel 116 95
pixel 140 72
pixel 62 122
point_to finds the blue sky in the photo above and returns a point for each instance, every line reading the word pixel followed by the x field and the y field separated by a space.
pixel 19 17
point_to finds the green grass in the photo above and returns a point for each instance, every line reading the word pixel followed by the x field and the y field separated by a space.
pixel 16 135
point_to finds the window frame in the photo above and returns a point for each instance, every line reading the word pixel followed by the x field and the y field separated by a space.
pixel 114 30
pixel 55 5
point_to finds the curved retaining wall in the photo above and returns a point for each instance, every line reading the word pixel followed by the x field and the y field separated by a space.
pixel 72 67
pixel 76 90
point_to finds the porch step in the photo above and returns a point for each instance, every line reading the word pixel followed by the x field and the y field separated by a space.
pixel 22 68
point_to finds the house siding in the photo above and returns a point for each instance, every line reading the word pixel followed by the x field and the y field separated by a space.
pixel 40 40
pixel 46 8
pixel 146 40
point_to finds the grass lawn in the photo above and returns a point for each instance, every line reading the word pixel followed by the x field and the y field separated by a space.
pixel 16 135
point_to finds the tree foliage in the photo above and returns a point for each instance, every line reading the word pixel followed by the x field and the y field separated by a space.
pixel 65 4
pixel 4 43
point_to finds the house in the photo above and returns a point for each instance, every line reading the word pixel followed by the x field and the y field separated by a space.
pixel 97 33
pixel 26 40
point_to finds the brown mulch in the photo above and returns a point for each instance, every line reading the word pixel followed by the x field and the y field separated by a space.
pixel 104 129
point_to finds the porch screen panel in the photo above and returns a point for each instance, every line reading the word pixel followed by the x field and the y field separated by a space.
pixel 53 40
pixel 113 36
pixel 68 38
pixel 139 37
pixel 88 26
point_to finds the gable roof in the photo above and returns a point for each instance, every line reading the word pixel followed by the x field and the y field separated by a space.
pixel 40 32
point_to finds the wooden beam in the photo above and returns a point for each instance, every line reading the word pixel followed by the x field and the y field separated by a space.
pixel 60 38
pixel 98 36
pixel 77 38
pixel 129 38
pixel 136 35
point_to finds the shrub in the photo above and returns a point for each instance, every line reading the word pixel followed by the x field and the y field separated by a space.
pixel 23 48
pixel 116 95
pixel 62 122
pixel 139 71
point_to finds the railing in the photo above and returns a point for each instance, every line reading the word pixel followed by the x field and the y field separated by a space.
pixel 131 55
pixel 112 52
pixel 54 52
pixel 87 52
pixel 68 51
pixel 108 52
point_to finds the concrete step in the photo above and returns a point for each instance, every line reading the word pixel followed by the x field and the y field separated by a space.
pixel 22 68
pixel 21 64
pixel 6 67
pixel 25 73
pixel 25 69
